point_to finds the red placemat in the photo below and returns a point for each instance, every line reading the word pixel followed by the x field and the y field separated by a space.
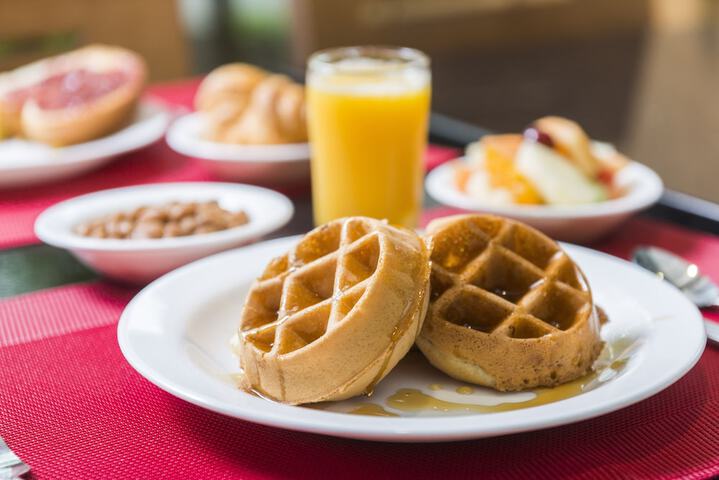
pixel 72 407
pixel 157 163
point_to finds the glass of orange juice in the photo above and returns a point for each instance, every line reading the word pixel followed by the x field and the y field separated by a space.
pixel 368 110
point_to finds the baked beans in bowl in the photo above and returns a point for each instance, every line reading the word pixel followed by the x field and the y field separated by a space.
pixel 175 219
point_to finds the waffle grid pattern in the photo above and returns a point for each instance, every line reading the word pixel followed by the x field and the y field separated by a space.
pixel 303 294
pixel 499 278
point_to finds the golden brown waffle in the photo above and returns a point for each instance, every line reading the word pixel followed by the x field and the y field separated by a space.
pixel 331 318
pixel 509 309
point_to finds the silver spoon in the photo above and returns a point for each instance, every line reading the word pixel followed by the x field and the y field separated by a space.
pixel 11 467
pixel 684 275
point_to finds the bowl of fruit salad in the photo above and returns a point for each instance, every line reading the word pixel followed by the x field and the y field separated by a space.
pixel 552 176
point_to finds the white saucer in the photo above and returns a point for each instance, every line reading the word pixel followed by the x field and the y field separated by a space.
pixel 139 261
pixel 575 223
pixel 264 164
pixel 24 163
pixel 176 334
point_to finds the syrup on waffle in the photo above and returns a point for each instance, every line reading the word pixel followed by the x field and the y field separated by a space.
pixel 509 309
pixel 331 318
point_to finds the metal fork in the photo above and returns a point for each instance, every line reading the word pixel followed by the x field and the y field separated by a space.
pixel 11 467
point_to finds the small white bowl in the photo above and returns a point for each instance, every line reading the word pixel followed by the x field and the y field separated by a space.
pixel 24 163
pixel 142 260
pixel 573 223
pixel 263 164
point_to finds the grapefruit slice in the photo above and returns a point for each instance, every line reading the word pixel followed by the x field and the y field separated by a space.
pixel 72 98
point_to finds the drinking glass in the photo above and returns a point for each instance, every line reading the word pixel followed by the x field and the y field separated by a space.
pixel 368 110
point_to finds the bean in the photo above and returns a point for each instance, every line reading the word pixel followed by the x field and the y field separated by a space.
pixel 171 220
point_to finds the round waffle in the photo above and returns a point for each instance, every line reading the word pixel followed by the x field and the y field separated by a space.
pixel 509 309
pixel 331 318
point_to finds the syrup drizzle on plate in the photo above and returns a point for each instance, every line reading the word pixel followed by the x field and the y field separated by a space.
pixel 437 399
pixel 428 402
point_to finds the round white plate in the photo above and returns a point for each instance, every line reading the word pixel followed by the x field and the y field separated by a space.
pixel 142 260
pixel 24 163
pixel 176 334
pixel 576 223
pixel 266 164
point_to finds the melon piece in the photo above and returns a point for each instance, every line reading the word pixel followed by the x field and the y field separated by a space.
pixel 558 180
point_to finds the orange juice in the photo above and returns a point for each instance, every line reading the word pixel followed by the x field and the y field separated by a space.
pixel 368 130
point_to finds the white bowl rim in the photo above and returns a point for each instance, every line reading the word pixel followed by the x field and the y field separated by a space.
pixel 155 117
pixel 64 237
pixel 647 188
pixel 180 139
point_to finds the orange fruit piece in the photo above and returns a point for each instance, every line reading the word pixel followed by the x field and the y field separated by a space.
pixel 461 177
pixel 499 153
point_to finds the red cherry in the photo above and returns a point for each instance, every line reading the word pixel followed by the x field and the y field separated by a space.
pixel 606 177
pixel 536 135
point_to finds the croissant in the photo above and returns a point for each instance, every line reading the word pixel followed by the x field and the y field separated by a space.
pixel 228 83
pixel 246 105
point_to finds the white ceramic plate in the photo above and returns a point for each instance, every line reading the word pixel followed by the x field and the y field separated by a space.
pixel 264 164
pixel 176 334
pixel 24 163
pixel 139 261
pixel 576 223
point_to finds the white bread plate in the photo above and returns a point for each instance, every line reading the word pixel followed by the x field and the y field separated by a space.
pixel 260 164
pixel 24 163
